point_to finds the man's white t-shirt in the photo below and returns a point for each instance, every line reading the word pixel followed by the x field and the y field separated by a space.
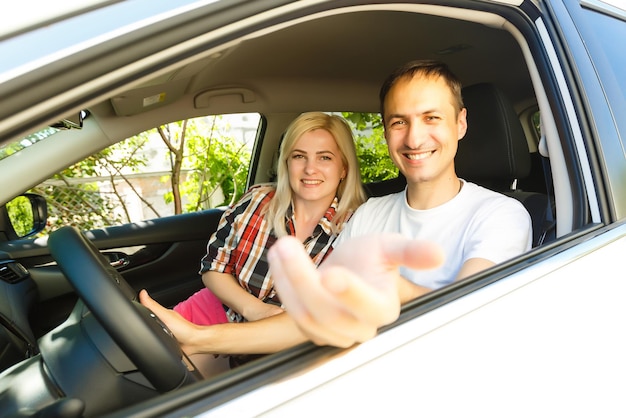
pixel 476 223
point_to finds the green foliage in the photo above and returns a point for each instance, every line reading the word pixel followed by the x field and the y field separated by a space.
pixel 371 147
pixel 536 120
pixel 205 166
pixel 216 165
pixel 78 196
pixel 219 166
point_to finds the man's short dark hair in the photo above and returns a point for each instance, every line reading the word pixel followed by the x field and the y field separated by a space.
pixel 425 68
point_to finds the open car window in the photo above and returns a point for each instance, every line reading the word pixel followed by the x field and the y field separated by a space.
pixel 180 167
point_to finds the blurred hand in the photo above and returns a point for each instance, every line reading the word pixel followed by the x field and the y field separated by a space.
pixel 355 290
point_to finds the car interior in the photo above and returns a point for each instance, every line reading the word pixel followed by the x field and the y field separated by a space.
pixel 332 59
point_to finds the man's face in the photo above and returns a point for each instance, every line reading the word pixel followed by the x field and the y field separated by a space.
pixel 422 128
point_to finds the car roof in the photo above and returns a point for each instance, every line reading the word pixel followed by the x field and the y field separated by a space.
pixel 350 50
pixel 145 66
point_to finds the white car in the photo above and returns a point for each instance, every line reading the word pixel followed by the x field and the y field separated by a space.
pixel 85 88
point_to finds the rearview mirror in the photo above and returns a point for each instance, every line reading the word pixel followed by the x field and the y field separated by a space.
pixel 72 122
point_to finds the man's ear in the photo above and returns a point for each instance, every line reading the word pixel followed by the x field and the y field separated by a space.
pixel 461 123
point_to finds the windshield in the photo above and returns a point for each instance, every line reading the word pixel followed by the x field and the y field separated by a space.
pixel 11 148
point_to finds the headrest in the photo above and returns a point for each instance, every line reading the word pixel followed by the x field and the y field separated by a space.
pixel 494 150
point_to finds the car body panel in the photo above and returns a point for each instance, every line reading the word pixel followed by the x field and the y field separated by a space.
pixel 607 100
pixel 608 59
pixel 480 355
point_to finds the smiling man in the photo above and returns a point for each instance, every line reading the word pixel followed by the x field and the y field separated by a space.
pixel 424 118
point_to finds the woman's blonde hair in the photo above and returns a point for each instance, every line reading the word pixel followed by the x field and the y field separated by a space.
pixel 350 192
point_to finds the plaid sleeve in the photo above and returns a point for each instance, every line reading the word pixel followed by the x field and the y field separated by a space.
pixel 223 242
pixel 223 245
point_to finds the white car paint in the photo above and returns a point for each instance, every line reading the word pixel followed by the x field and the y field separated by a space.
pixel 528 336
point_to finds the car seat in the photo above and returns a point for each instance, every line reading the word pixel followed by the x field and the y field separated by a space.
pixel 494 153
pixel 17 295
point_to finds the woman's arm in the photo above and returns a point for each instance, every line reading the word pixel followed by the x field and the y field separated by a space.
pixel 230 292
pixel 260 337
pixel 346 300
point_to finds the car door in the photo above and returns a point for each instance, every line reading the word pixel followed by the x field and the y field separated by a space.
pixel 161 255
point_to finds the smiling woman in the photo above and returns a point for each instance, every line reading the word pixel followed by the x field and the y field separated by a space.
pixel 317 189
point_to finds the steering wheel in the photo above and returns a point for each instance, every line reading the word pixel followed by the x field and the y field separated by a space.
pixel 144 339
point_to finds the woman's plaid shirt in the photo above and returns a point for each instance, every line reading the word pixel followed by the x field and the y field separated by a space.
pixel 240 244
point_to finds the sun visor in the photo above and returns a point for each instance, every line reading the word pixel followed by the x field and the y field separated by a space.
pixel 148 98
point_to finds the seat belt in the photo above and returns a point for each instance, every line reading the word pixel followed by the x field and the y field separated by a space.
pixel 549 223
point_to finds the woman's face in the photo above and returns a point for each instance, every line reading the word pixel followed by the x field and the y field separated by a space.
pixel 315 167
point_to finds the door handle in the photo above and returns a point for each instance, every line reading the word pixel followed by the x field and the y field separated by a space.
pixel 117 259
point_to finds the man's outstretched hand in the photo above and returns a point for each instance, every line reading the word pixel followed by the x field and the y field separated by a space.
pixel 355 291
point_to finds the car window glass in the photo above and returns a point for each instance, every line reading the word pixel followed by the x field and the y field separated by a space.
pixel 184 166
pixel 10 148
pixel 599 26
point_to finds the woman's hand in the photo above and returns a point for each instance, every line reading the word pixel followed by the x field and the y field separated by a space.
pixel 260 310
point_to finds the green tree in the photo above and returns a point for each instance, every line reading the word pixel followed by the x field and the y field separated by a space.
pixel 115 163
pixel 76 195
pixel 216 164
pixel 174 136
pixel 208 167
pixel 371 147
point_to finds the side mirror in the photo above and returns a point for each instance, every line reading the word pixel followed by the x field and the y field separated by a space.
pixel 28 214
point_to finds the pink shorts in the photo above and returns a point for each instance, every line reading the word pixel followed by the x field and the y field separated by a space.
pixel 202 308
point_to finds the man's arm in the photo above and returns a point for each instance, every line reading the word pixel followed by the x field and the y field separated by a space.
pixel 473 265
pixel 356 290
pixel 408 290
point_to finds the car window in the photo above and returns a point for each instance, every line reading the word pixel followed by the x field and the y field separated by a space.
pixel 180 167
pixel 10 148
pixel 184 166
pixel 599 22
pixel 374 161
